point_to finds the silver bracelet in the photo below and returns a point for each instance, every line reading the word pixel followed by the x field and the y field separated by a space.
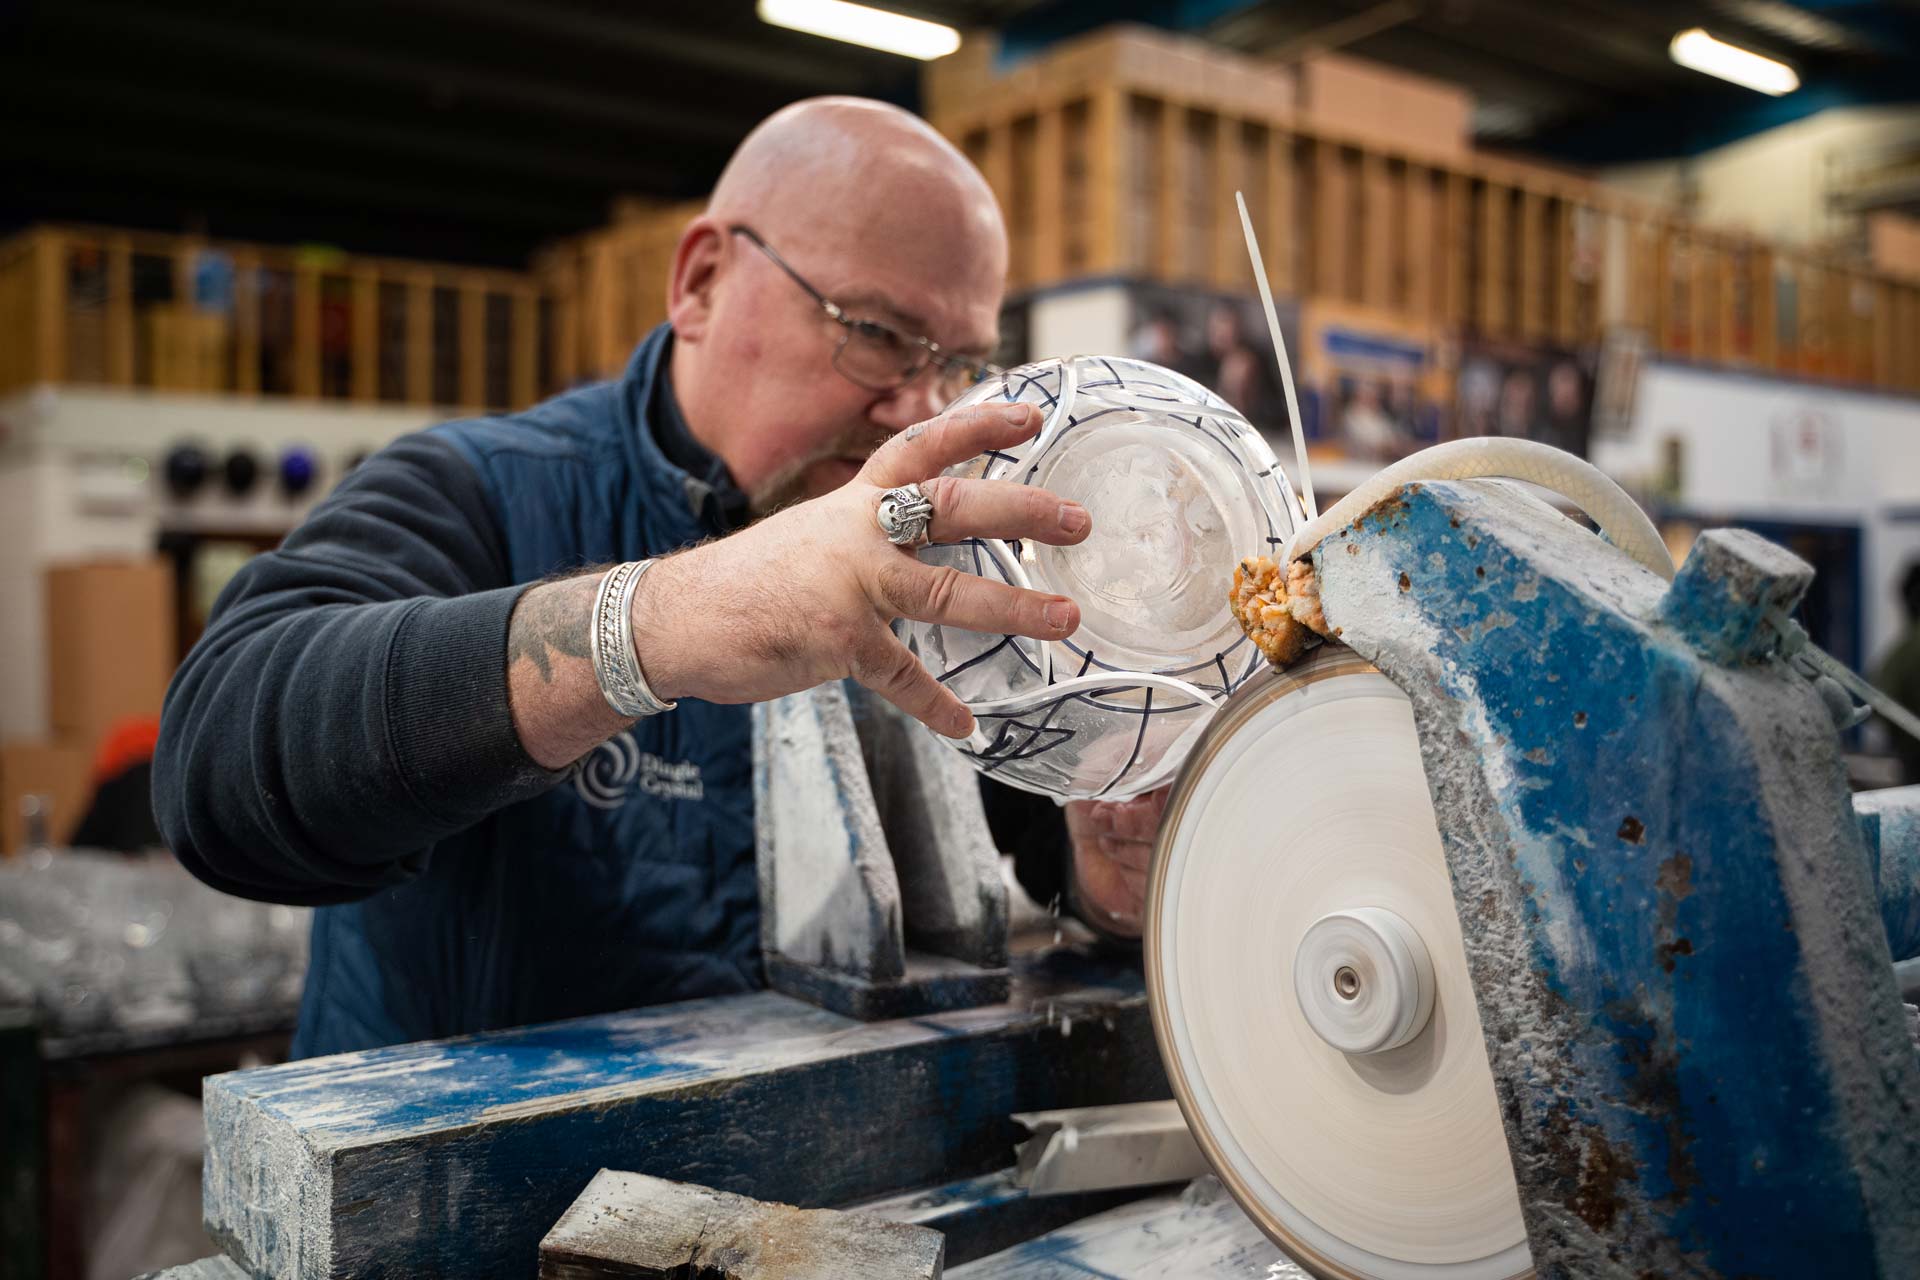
pixel 610 639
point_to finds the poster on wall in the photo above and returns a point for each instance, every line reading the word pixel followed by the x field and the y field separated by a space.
pixel 1525 392
pixel 1220 341
pixel 1366 397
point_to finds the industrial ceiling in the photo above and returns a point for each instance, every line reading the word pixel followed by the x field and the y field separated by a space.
pixel 476 129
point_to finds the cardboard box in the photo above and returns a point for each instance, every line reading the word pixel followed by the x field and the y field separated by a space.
pixel 1893 241
pixel 56 770
pixel 112 644
pixel 1369 101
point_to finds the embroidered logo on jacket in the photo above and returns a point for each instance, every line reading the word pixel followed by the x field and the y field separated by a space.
pixel 606 774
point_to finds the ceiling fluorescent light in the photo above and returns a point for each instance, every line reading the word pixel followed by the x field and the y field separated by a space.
pixel 1699 51
pixel 857 24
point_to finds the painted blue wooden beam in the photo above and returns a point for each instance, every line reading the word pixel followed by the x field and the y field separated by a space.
pixel 455 1157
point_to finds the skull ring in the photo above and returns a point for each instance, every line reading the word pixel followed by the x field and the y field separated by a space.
pixel 904 515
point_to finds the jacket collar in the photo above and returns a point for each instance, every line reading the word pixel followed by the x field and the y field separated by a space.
pixel 679 473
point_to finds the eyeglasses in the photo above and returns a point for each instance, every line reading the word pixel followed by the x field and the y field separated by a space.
pixel 875 355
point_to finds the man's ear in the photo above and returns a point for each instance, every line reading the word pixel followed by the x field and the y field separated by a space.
pixel 696 269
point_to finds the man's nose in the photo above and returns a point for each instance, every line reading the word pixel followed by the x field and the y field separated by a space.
pixel 915 402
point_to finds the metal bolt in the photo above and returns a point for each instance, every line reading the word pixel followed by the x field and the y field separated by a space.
pixel 1346 983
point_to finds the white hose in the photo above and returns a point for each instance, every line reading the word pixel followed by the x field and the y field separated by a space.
pixel 1575 479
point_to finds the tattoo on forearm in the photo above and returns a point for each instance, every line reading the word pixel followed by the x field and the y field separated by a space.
pixel 551 619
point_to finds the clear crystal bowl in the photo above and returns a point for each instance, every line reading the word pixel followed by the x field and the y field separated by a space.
pixel 1179 486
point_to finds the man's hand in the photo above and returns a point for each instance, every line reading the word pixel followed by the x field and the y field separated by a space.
pixel 1112 851
pixel 806 595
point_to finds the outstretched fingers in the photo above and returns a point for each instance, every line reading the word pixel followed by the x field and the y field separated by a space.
pixel 928 448
pixel 884 665
pixel 1002 509
pixel 945 595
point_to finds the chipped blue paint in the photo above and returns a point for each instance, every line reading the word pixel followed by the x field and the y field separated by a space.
pixel 1666 902
pixel 449 1083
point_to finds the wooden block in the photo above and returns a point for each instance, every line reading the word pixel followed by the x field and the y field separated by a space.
pixel 1765 307
pixel 1906 337
pixel 473 343
pixel 629 1224
pixel 1736 303
pixel 1811 302
pixel 1669 316
pixel 1378 210
pixel 420 338
pixel 602 322
pixel 1423 248
pixel 1229 267
pixel 1280 221
pixel 181 255
pixel 246 322
pixel 1534 284
pixel 1649 279
pixel 306 330
pixel 1171 175
pixel 1457 241
pixel 1107 180
pixel 1497 254
pixel 50 306
pixel 1575 267
pixel 1332 218
pixel 365 325
pixel 119 306
pixel 1840 327
pixel 1703 300
pixel 523 374
pixel 112 643
pixel 565 313
pixel 1046 174
pixel 455 1157
pixel 996 165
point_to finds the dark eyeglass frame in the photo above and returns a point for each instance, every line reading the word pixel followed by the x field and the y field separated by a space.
pixel 966 371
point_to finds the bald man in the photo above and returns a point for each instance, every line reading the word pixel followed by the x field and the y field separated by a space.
pixel 399 716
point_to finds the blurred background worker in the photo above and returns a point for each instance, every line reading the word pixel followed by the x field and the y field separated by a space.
pixel 366 324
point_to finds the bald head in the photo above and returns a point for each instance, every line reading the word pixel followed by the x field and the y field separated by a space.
pixel 833 172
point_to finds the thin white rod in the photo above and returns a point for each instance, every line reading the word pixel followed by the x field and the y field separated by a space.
pixel 1286 369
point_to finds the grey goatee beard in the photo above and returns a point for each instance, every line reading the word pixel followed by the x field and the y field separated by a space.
pixel 789 484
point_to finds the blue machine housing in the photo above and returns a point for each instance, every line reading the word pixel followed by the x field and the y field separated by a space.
pixel 1681 961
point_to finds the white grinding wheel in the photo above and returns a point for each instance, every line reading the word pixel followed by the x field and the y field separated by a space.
pixel 1304 811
